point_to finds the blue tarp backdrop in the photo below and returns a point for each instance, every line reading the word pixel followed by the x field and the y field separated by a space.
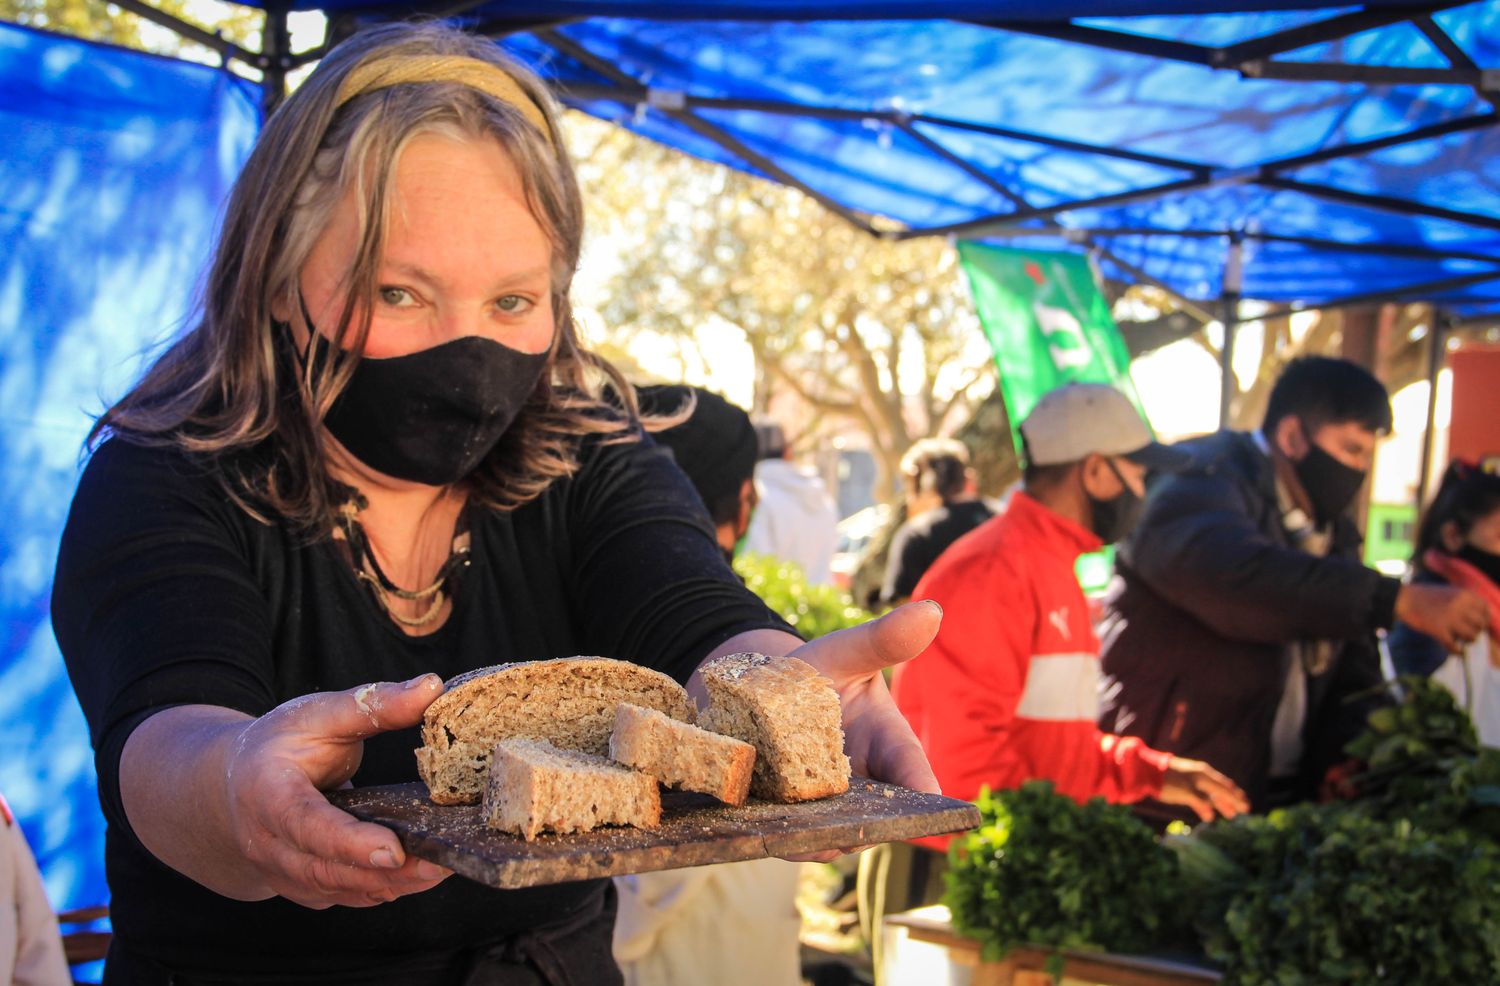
pixel 1353 149
pixel 1338 186
pixel 113 169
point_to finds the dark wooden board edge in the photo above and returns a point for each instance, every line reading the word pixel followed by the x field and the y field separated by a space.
pixel 786 830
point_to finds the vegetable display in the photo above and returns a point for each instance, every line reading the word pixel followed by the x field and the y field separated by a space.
pixel 812 610
pixel 1396 885
pixel 1042 869
pixel 1317 894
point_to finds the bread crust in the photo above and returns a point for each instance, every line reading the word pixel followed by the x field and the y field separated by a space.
pixel 791 715
pixel 569 702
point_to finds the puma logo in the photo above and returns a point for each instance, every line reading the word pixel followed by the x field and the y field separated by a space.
pixel 1059 618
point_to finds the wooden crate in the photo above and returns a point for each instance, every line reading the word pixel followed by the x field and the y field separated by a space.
pixel 1027 966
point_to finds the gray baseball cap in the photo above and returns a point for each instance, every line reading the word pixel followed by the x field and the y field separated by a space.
pixel 1081 419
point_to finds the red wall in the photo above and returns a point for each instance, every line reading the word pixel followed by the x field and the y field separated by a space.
pixel 1475 430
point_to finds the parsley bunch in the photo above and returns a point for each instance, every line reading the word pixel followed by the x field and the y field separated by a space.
pixel 1319 895
pixel 1423 763
pixel 1395 886
pixel 1042 869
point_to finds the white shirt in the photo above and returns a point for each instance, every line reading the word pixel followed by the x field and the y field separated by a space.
pixel 796 520
pixel 30 946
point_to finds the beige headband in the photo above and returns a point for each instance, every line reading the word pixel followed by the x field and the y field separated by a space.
pixel 396 70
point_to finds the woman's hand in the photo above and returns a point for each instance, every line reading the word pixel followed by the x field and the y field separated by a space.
pixel 247 817
pixel 877 738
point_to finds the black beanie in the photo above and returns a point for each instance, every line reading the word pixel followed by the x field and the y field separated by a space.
pixel 715 446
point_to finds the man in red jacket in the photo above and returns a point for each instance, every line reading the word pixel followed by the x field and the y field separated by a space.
pixel 1009 690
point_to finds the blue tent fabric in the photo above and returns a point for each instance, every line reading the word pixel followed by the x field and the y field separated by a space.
pixel 1350 148
pixel 806 10
pixel 113 171
pixel 1045 132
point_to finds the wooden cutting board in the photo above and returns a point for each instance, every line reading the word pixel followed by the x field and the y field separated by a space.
pixel 695 830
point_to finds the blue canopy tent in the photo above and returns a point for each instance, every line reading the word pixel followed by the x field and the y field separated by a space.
pixel 1295 152
pixel 1300 153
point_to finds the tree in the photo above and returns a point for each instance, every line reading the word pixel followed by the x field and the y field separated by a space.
pixel 96 21
pixel 861 330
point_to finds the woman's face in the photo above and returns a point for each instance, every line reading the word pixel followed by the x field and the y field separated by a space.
pixel 463 255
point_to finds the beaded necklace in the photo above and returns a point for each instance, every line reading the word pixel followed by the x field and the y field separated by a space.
pixel 348 529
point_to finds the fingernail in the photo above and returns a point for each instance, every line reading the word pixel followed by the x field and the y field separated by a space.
pixel 935 605
pixel 418 681
pixel 384 858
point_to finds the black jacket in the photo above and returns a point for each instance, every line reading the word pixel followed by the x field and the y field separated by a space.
pixel 1211 592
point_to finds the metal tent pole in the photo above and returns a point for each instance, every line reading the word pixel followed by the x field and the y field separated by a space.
pixel 276 46
pixel 1229 299
pixel 1437 339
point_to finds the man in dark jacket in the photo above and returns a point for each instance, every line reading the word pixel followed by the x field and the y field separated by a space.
pixel 1242 621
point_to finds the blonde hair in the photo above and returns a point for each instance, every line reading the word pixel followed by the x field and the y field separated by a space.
pixel 231 388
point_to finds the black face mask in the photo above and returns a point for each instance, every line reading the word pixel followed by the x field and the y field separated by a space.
pixel 430 416
pixel 1115 518
pixel 1330 484
pixel 1486 561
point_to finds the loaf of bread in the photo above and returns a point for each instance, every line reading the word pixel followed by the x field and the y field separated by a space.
pixel 569 702
pixel 532 786
pixel 790 713
pixel 681 755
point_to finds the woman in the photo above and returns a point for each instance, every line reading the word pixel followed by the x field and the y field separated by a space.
pixel 380 457
pixel 1458 542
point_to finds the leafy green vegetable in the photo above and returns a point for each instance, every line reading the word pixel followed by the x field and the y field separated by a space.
pixel 1319 894
pixel 1423 763
pixel 1395 886
pixel 1044 870
pixel 813 610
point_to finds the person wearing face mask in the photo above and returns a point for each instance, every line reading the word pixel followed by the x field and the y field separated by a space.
pixel 382 457
pixel 1241 626
pixel 1008 690
pixel 1458 543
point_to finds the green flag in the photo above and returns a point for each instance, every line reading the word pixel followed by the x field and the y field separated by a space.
pixel 1047 324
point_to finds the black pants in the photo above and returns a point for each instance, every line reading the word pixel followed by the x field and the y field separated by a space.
pixel 574 951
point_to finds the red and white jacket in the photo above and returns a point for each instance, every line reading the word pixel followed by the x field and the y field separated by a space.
pixel 1009 689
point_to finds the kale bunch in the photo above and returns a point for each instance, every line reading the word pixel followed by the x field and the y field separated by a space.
pixel 1042 869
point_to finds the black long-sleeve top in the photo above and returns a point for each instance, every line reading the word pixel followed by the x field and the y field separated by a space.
pixel 168 594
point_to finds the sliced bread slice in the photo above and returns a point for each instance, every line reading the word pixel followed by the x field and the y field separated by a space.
pixel 533 787
pixel 569 702
pixel 790 714
pixel 681 755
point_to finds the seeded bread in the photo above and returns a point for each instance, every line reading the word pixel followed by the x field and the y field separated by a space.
pixel 680 755
pixel 569 702
pixel 790 714
pixel 532 787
